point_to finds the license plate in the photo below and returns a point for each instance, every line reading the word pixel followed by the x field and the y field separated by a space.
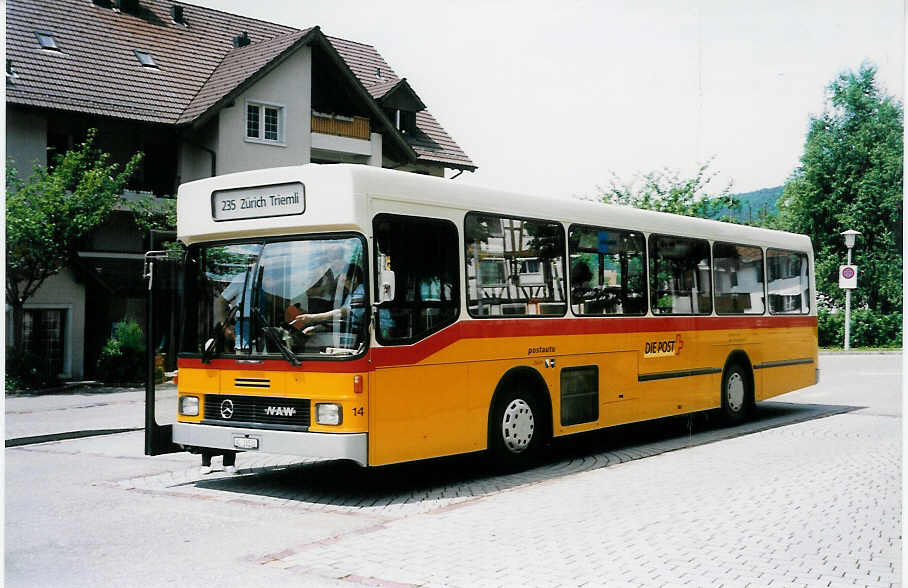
pixel 245 443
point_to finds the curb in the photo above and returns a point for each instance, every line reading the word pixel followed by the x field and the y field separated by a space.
pixel 844 353
pixel 65 436
pixel 85 389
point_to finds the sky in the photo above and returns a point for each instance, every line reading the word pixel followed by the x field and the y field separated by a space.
pixel 553 98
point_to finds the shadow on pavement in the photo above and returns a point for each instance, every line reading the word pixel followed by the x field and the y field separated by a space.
pixel 442 482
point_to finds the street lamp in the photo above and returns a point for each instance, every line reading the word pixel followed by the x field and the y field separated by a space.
pixel 848 281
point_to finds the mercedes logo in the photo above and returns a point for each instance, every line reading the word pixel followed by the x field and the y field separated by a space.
pixel 227 408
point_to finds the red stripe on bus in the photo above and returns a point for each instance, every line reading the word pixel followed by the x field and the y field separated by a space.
pixel 495 328
pixel 279 365
pixel 501 328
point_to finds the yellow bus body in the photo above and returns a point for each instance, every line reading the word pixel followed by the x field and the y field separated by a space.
pixel 433 397
pixel 439 404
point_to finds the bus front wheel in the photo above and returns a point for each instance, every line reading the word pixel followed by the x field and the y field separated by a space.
pixel 515 430
pixel 735 393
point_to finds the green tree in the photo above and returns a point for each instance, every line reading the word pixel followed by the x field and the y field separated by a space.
pixel 666 190
pixel 152 213
pixel 158 214
pixel 851 178
pixel 48 215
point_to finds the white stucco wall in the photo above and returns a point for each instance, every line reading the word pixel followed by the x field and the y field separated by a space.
pixel 62 291
pixel 194 163
pixel 289 85
pixel 26 139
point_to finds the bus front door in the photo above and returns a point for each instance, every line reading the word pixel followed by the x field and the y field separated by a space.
pixel 163 277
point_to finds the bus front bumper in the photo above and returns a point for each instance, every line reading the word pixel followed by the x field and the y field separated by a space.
pixel 352 446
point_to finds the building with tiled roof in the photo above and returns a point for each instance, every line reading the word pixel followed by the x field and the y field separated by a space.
pixel 200 92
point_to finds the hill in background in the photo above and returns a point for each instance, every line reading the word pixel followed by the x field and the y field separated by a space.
pixel 756 204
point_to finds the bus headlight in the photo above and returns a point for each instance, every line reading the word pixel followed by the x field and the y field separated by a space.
pixel 189 405
pixel 328 414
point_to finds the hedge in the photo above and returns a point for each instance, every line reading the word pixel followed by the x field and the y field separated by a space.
pixel 869 328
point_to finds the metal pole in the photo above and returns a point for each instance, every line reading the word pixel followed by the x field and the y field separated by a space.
pixel 847 320
pixel 150 424
pixel 848 311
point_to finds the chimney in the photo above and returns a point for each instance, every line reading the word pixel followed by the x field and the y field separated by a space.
pixel 241 40
pixel 176 13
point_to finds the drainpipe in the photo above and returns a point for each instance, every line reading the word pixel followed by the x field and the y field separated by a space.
pixel 455 176
pixel 211 152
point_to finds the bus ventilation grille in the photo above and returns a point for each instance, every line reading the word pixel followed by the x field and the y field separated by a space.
pixel 260 410
pixel 252 383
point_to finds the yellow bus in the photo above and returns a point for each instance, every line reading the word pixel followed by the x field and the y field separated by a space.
pixel 352 312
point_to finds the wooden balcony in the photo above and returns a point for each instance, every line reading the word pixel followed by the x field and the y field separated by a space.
pixel 354 127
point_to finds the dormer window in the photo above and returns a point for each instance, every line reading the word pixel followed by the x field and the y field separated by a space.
pixel 404 120
pixel 264 123
pixel 145 58
pixel 46 40
pixel 407 122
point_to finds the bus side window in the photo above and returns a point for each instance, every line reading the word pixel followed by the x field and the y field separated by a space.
pixel 738 274
pixel 608 271
pixel 680 279
pixel 515 266
pixel 789 285
pixel 422 253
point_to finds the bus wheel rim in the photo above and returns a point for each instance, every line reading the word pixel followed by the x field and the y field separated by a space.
pixel 517 426
pixel 734 391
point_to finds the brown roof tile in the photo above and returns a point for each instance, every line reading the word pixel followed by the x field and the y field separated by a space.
pixel 238 66
pixel 96 70
pixel 381 88
pixel 364 61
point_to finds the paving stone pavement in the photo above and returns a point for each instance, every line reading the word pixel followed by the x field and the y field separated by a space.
pixel 700 517
pixel 804 495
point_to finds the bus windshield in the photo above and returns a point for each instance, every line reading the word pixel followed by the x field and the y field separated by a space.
pixel 287 297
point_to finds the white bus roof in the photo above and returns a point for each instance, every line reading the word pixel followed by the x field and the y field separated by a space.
pixel 336 200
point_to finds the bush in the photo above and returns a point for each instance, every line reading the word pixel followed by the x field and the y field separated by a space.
pixel 869 328
pixel 28 371
pixel 830 328
pixel 123 356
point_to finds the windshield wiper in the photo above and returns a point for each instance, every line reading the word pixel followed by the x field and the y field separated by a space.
pixel 271 334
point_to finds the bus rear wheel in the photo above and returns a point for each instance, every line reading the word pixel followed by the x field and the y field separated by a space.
pixel 515 433
pixel 736 393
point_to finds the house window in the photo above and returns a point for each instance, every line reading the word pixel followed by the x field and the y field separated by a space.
pixel 253 112
pixel 271 124
pixel 46 40
pixel 264 122
pixel 145 58
pixel 43 336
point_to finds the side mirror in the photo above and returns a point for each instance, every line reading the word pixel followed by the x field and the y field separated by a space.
pixel 208 350
pixel 386 286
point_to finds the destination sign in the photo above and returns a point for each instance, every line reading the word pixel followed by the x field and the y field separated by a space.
pixel 258 202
